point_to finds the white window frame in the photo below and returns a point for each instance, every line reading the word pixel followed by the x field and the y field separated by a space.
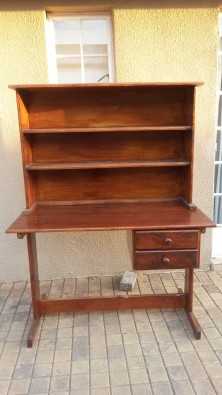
pixel 51 47
pixel 217 232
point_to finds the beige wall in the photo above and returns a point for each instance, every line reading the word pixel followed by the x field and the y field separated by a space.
pixel 150 45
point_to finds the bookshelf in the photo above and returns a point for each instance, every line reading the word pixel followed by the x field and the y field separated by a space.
pixel 111 157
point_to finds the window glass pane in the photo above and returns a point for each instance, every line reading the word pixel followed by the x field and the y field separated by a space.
pixel 219 146
pixel 96 69
pixel 221 74
pixel 68 49
pixel 95 49
pixel 218 179
pixel 94 31
pixel 220 111
pixel 67 31
pixel 69 69
pixel 218 209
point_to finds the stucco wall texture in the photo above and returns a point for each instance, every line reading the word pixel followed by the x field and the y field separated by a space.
pixel 150 45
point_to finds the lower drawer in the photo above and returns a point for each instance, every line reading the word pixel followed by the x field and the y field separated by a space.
pixel 165 259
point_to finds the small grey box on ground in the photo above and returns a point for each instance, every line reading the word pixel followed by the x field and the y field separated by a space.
pixel 127 281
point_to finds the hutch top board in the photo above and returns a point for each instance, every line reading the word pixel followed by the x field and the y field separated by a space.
pixel 107 156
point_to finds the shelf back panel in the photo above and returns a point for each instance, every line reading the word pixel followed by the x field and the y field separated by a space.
pixel 109 147
pixel 109 184
pixel 113 106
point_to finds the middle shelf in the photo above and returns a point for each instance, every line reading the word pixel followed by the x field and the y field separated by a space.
pixel 103 164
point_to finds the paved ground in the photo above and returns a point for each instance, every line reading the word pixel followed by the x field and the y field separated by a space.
pixel 132 352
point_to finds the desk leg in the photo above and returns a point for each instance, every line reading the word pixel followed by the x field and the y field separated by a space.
pixel 189 303
pixel 35 288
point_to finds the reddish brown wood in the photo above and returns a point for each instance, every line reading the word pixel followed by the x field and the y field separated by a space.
pixel 112 156
pixel 171 240
pixel 145 260
pixel 112 303
pixel 102 165
pixel 189 289
pixel 189 283
pixel 109 184
pixel 26 151
pixel 109 147
pixel 35 287
pixel 33 332
pixel 35 87
pixel 111 106
pixel 34 276
pixel 194 325
pixel 107 216
pixel 115 129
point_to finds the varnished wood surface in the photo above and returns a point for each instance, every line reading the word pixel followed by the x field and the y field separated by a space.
pixel 103 165
pixel 109 184
pixel 172 301
pixel 111 156
pixel 135 215
pixel 151 260
pixel 115 129
pixel 114 105
pixel 110 147
pixel 105 85
pixel 139 153
pixel 166 240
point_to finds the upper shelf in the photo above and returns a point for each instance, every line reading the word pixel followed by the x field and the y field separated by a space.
pixel 180 128
pixel 104 164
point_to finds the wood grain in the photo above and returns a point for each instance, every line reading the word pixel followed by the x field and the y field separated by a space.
pixel 107 216
pixel 94 107
pixel 171 240
pixel 112 303
pixel 109 147
pixel 145 260
pixel 112 156
pixel 109 184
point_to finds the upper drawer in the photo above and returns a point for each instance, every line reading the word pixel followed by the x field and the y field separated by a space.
pixel 151 240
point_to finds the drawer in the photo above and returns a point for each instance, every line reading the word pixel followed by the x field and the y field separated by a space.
pixel 168 240
pixel 144 260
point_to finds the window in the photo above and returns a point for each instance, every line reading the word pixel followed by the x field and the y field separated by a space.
pixel 80 49
pixel 217 233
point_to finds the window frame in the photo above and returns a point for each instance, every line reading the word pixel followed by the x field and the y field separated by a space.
pixel 51 45
pixel 218 127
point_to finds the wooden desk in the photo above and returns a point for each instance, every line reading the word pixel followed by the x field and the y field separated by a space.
pixel 112 157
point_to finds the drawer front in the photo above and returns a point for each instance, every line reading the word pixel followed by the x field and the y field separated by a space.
pixel 144 260
pixel 169 240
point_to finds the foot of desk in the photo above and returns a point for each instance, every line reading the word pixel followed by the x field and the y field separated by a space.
pixel 194 325
pixel 32 332
pixel 189 280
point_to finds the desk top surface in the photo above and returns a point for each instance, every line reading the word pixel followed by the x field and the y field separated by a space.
pixel 109 216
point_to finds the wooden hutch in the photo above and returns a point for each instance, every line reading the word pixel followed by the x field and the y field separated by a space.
pixel 110 157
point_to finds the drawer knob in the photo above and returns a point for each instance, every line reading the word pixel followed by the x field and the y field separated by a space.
pixel 166 260
pixel 168 241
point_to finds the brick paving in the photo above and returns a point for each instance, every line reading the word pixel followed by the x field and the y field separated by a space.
pixel 133 352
